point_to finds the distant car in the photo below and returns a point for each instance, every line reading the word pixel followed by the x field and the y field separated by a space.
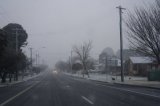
pixel 55 72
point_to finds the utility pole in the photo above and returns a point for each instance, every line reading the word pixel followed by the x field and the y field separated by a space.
pixel 38 56
pixel 36 59
pixel 71 60
pixel 16 33
pixel 16 47
pixel 70 63
pixel 31 58
pixel 121 42
pixel 106 67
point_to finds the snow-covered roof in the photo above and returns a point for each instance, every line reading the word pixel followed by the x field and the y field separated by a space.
pixel 97 65
pixel 141 60
pixel 77 61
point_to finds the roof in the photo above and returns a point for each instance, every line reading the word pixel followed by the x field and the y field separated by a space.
pixel 77 62
pixel 141 60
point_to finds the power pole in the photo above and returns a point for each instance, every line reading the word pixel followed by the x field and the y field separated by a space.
pixel 31 58
pixel 36 59
pixel 71 60
pixel 121 42
pixel 106 67
pixel 16 33
pixel 16 46
pixel 70 63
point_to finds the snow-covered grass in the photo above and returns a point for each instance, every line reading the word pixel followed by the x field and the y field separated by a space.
pixel 20 79
pixel 106 77
pixel 131 80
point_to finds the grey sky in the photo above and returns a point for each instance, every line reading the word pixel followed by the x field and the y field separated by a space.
pixel 59 24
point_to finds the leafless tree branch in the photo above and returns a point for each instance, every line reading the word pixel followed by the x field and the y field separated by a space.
pixel 144 30
pixel 83 52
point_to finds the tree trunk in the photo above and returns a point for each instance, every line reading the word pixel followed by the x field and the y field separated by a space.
pixel 10 77
pixel 88 74
pixel 83 74
pixel 158 59
pixel 3 78
pixel 85 70
pixel 16 76
pixel 159 66
pixel 23 74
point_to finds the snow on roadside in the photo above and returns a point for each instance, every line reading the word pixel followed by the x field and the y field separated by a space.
pixel 26 78
pixel 129 80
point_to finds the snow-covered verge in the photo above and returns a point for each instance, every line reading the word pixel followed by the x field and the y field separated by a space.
pixel 129 80
pixel 20 79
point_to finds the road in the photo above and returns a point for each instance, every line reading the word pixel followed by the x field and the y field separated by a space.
pixel 51 89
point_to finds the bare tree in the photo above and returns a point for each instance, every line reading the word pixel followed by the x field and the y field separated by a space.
pixel 83 52
pixel 144 30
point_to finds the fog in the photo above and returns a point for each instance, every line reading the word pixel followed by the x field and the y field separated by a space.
pixel 54 26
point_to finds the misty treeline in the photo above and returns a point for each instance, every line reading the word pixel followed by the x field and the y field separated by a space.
pixel 80 61
pixel 144 30
pixel 12 59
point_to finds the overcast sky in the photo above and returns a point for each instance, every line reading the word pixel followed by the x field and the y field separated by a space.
pixel 57 25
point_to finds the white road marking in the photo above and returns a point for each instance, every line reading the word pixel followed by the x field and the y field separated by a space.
pixel 20 93
pixel 86 99
pixel 131 91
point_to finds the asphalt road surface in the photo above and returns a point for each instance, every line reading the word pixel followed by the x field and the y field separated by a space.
pixel 57 89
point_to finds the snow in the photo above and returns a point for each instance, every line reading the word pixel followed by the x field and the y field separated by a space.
pixel 108 78
pixel 20 79
pixel 139 60
pixel 129 80
pixel 78 61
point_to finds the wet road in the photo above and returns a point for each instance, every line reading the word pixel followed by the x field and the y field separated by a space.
pixel 53 89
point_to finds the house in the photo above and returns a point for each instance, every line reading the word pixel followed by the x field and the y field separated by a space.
pixel 105 54
pixel 114 62
pixel 113 65
pixel 128 53
pixel 139 65
pixel 99 67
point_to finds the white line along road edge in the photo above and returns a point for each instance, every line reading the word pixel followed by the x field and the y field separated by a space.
pixel 86 99
pixel 131 91
pixel 20 93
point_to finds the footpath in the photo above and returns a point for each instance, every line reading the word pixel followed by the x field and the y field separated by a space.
pixel 128 80
pixel 20 79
